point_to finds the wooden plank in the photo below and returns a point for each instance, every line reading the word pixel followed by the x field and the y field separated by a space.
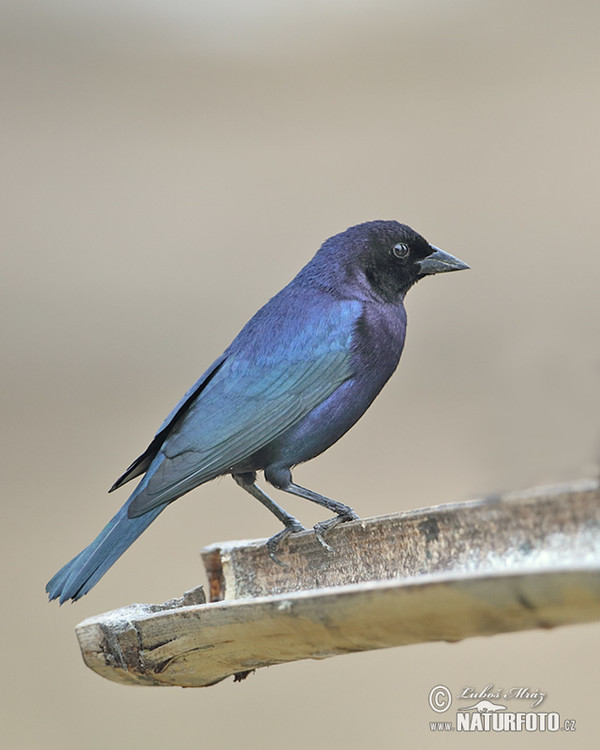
pixel 533 530
pixel 200 645
pixel 526 560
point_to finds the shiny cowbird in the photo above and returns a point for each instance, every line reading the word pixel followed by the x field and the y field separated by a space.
pixel 300 373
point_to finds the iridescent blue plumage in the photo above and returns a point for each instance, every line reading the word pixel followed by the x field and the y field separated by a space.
pixel 300 373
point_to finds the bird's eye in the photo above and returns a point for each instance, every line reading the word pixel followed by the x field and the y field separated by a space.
pixel 401 250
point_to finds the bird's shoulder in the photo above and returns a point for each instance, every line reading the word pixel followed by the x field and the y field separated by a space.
pixel 294 326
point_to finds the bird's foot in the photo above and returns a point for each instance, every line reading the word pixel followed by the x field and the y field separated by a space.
pixel 294 527
pixel 324 527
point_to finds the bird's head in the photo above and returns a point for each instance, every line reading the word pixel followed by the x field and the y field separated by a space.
pixel 386 258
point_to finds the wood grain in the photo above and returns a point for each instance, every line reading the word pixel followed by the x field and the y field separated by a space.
pixel 520 561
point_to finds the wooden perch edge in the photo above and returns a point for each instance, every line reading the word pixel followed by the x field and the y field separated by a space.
pixel 513 562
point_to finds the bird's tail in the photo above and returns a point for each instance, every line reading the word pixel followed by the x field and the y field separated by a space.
pixel 84 571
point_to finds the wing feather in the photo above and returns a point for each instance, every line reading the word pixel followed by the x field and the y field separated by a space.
pixel 250 401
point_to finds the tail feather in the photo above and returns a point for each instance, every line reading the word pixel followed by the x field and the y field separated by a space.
pixel 84 571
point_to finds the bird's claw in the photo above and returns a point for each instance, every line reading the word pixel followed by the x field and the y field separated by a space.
pixel 319 531
pixel 274 542
pixel 324 527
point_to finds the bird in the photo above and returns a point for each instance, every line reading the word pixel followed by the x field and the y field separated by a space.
pixel 296 378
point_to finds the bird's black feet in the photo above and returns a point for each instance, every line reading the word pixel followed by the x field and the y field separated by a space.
pixel 273 543
pixel 324 527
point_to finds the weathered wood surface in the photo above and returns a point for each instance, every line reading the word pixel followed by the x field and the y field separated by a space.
pixel 530 530
pixel 520 561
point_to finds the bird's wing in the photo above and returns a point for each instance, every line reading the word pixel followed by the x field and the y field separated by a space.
pixel 251 400
pixel 142 463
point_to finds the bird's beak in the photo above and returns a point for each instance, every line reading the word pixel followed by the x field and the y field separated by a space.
pixel 440 262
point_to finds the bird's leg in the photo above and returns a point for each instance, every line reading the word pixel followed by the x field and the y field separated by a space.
pixel 292 525
pixel 248 482
pixel 282 479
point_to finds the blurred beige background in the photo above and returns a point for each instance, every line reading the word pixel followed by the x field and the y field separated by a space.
pixel 167 167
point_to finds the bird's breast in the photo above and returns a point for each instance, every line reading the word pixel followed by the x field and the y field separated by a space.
pixel 378 341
